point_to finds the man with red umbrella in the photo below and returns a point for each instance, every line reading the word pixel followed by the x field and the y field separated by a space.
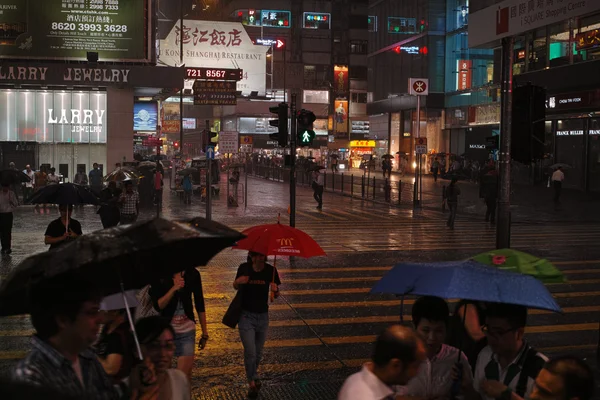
pixel 255 280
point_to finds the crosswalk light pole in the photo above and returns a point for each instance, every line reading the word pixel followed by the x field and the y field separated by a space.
pixel 293 130
pixel 503 226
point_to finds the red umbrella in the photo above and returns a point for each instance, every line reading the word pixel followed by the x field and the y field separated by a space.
pixel 279 240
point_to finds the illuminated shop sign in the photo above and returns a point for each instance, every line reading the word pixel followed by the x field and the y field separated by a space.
pixel 569 133
pixel 402 25
pixel 268 18
pixel 316 20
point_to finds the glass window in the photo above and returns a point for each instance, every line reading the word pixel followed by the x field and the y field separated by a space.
pixel 310 73
pixel 315 96
pixel 519 56
pixel 537 50
pixel 586 44
pixel 457 14
pixel 359 97
pixel 560 44
pixel 402 25
pixel 372 21
pixel 313 20
pixel 359 46
pixel 570 150
pixel 44 130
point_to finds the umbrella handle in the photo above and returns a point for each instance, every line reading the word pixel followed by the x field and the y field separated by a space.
pixel 131 325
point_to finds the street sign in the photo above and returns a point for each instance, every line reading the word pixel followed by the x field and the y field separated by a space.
pixel 210 152
pixel 418 86
pixel 214 93
pixel 421 145
pixel 221 74
pixel 228 142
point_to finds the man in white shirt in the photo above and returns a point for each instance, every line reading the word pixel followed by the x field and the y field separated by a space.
pixel 28 186
pixel 507 368
pixel 557 179
pixel 398 354
pixel 318 186
pixel 431 316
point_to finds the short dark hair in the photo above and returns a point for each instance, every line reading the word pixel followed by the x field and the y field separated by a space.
pixel 389 346
pixel 62 295
pixel 128 183
pixel 64 207
pixel 577 375
pixel 515 315
pixel 431 308
pixel 150 328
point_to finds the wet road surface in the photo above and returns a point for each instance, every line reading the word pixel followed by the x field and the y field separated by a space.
pixel 322 328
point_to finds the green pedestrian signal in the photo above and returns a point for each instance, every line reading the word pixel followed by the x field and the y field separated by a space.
pixel 306 134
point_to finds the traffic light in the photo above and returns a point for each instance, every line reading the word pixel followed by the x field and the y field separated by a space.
pixel 281 123
pixel 528 118
pixel 306 134
pixel 176 145
pixel 422 25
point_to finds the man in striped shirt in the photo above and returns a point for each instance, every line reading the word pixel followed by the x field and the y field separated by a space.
pixel 507 368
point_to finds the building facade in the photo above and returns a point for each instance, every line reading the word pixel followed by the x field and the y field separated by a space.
pixel 322 61
pixel 560 53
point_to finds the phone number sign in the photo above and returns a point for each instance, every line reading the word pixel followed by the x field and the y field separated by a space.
pixel 68 29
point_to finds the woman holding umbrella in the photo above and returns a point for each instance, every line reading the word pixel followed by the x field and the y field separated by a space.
pixel 172 298
pixel 254 280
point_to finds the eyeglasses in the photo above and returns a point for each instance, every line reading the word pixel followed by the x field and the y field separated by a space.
pixel 157 346
pixel 496 332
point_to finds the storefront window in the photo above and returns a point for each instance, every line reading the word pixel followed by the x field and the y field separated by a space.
pixel 570 150
pixel 69 126
pixel 586 45
pixel 538 50
pixel 457 14
pixel 594 155
pixel 560 44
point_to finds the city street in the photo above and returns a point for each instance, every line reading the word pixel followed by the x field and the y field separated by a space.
pixel 322 327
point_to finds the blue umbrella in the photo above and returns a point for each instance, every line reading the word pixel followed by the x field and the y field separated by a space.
pixel 467 280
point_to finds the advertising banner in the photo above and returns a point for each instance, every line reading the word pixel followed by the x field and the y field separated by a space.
pixel 57 29
pixel 145 116
pixel 169 116
pixel 512 17
pixel 212 44
pixel 464 74
pixel 340 118
pixel 340 74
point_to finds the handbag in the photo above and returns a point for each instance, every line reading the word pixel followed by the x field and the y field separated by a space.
pixel 145 307
pixel 234 311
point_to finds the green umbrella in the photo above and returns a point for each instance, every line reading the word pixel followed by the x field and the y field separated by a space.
pixel 527 264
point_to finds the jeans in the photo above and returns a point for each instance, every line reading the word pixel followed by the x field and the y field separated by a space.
pixel 6 224
pixel 127 219
pixel 318 193
pixel 435 173
pixel 253 332
pixel 490 212
pixel 452 206
pixel 557 190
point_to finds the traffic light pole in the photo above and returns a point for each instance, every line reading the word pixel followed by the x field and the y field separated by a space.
pixel 503 227
pixel 208 176
pixel 293 131
pixel 417 185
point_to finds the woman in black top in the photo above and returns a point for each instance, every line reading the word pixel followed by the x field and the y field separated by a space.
pixel 465 331
pixel 172 298
pixel 115 346
pixel 255 280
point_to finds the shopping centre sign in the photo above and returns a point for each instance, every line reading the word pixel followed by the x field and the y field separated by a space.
pixel 213 44
pixel 512 17
pixel 118 30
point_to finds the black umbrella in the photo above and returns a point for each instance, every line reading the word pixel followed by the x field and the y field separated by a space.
pixel 387 156
pixel 65 193
pixel 13 176
pixel 315 168
pixel 120 175
pixel 186 171
pixel 120 258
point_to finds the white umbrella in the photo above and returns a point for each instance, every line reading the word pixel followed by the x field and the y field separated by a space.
pixel 117 301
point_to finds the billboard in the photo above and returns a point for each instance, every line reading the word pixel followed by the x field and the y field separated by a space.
pixel 117 30
pixel 340 73
pixel 464 74
pixel 213 44
pixel 340 118
pixel 145 116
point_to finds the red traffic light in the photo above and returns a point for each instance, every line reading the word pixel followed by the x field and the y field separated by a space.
pixel 176 144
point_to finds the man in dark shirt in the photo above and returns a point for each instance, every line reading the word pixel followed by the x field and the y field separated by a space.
pixel 255 279
pixel 96 180
pixel 66 325
pixel 63 229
